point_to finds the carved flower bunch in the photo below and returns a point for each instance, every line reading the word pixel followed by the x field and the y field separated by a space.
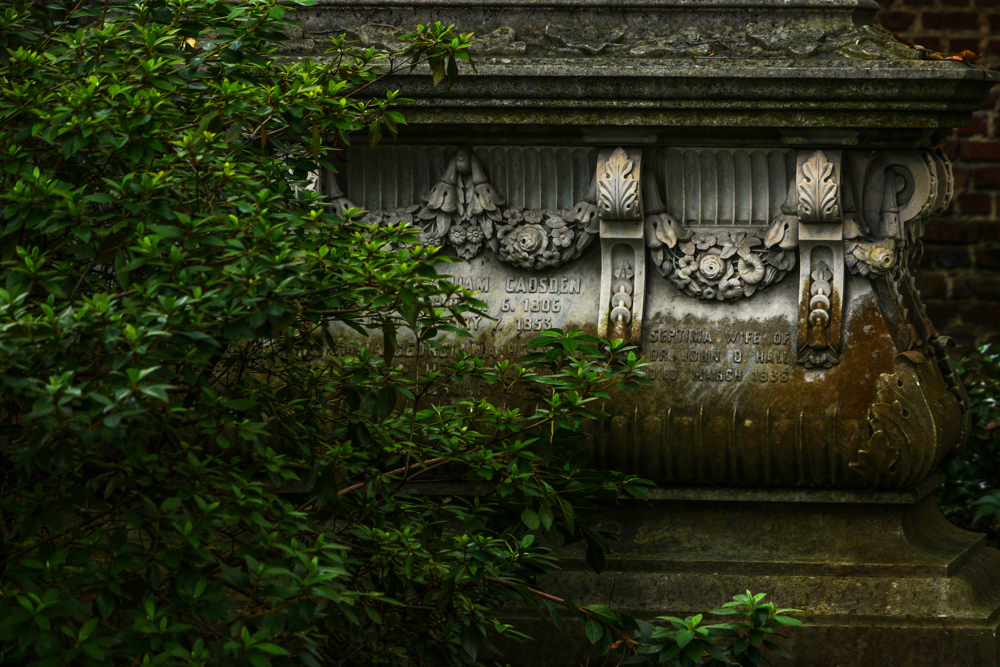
pixel 464 210
pixel 545 239
pixel 462 207
pixel 720 264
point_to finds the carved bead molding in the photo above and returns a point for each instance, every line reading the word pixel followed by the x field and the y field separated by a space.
pixel 821 258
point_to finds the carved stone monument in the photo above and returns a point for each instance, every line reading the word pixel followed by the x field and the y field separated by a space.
pixel 739 188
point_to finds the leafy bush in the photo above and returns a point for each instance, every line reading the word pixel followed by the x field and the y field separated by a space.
pixel 970 495
pixel 189 477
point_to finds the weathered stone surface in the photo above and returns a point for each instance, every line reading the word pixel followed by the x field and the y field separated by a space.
pixel 738 188
pixel 881 578
pixel 780 325
pixel 750 64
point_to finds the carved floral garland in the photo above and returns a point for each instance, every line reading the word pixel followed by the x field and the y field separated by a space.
pixel 719 264
pixel 464 210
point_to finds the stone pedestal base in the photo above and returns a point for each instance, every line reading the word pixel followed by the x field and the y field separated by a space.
pixel 881 578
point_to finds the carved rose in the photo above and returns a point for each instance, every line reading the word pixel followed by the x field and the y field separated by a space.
pixel 525 246
pixel 881 258
pixel 712 266
pixel 530 239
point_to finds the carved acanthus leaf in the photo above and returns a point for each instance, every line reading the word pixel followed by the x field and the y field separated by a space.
pixel 818 190
pixel 903 441
pixel 618 188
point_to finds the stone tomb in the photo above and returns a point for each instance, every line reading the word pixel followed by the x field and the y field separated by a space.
pixel 785 340
pixel 739 188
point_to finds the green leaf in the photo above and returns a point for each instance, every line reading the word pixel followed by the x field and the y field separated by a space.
pixel 594 630
pixel 530 519
pixel 601 611
pixel 273 649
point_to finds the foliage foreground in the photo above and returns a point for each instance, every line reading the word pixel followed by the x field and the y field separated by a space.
pixel 189 477
pixel 970 495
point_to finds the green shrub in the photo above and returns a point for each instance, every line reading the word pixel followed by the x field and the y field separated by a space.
pixel 188 476
pixel 970 495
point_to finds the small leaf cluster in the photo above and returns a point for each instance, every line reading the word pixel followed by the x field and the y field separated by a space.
pixel 690 642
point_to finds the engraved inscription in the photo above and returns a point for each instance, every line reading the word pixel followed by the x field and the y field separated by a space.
pixel 543 285
pixel 472 283
pixel 705 355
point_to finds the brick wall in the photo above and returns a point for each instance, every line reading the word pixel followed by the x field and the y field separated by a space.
pixel 959 276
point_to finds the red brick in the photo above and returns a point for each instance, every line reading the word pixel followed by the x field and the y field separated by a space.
pixel 975 287
pixel 978 125
pixel 982 313
pixel 951 210
pixel 981 123
pixel 989 231
pixel 950 149
pixel 940 313
pixel 955 3
pixel 932 43
pixel 925 261
pixel 932 285
pixel 988 258
pixel 975 203
pixel 991 100
pixel 995 24
pixel 986 178
pixel 947 231
pixel 987 3
pixel 950 20
pixel 964 337
pixel 897 21
pixel 961 177
pixel 993 47
pixel 959 45
pixel 980 150
pixel 952 257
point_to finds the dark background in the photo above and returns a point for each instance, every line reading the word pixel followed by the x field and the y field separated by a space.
pixel 959 275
